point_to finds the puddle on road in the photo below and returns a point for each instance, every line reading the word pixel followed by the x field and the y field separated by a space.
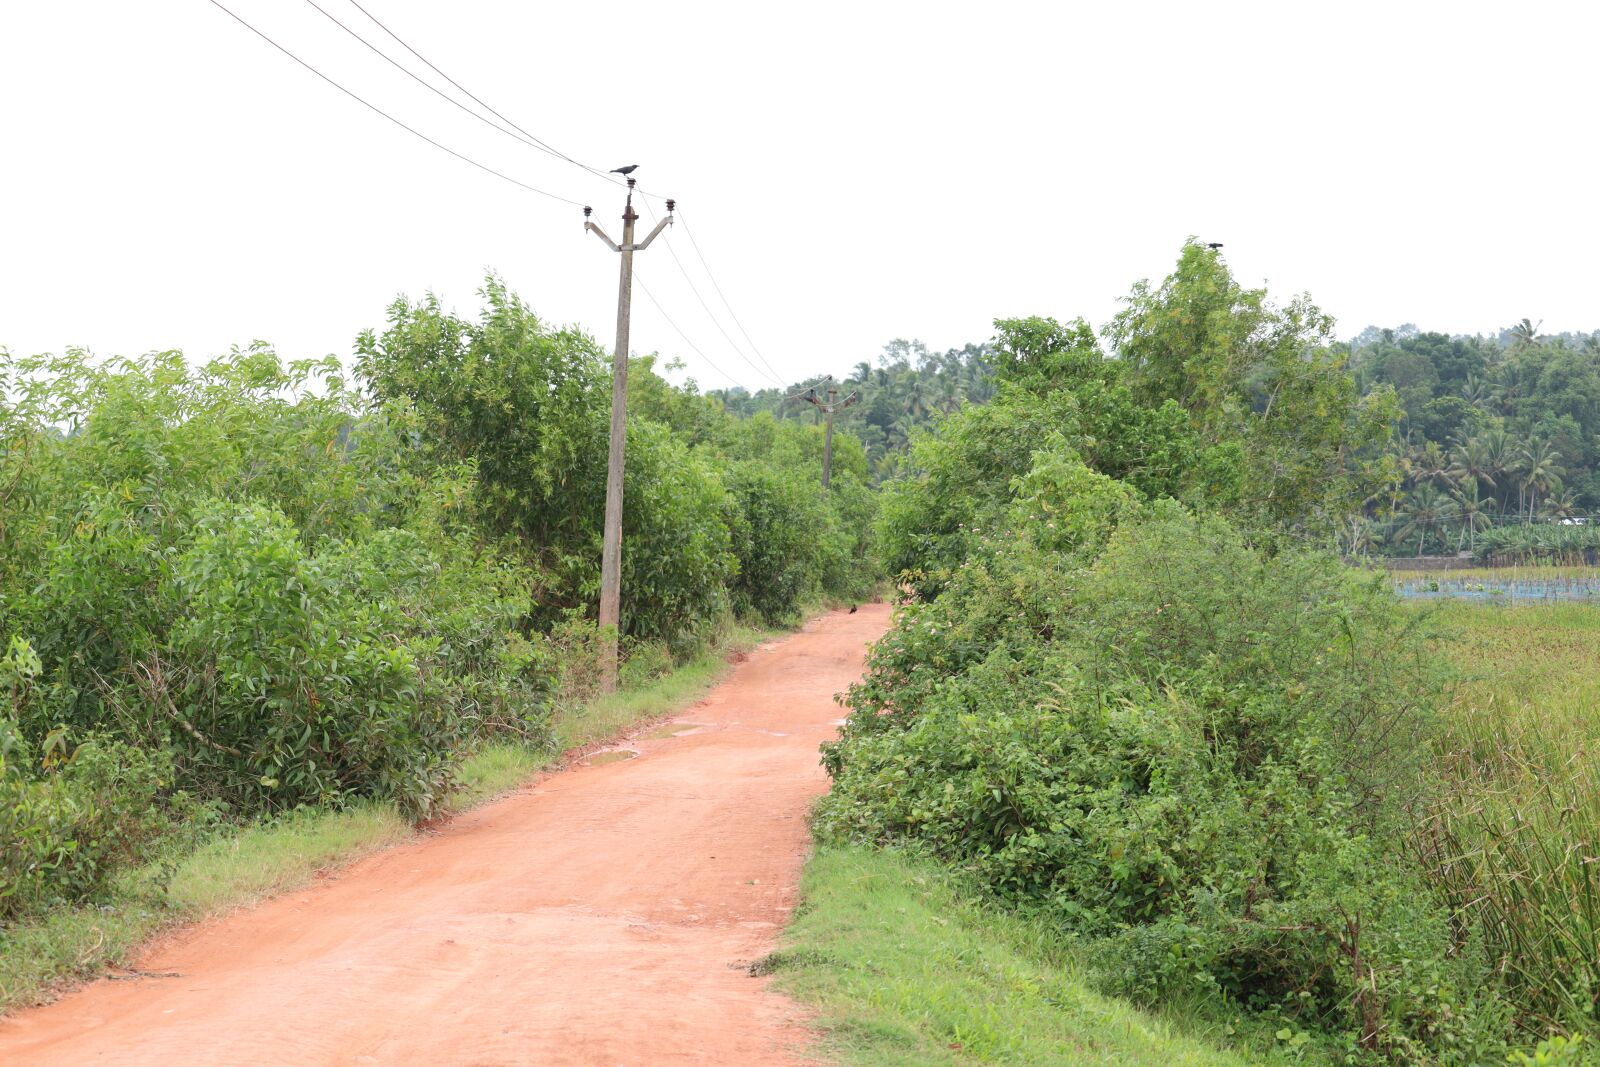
pixel 616 756
pixel 673 729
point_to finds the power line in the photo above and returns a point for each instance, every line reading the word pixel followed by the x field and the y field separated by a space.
pixel 683 335
pixel 768 372
pixel 530 141
pixel 480 102
pixel 529 138
pixel 373 107
pixel 734 315
pixel 766 369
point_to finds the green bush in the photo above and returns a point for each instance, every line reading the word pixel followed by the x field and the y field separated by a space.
pixel 276 587
pixel 1196 752
pixel 779 527
pixel 286 680
pixel 72 813
pixel 677 556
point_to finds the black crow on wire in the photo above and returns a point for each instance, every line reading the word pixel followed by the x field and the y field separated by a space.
pixel 625 171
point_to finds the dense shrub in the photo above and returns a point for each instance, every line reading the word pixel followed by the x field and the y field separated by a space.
pixel 258 584
pixel 780 526
pixel 676 558
pixel 1193 750
pixel 72 810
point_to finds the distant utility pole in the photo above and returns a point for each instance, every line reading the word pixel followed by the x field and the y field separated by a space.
pixel 828 409
pixel 611 550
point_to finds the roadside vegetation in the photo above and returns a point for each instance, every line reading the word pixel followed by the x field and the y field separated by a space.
pixel 907 966
pixel 1144 772
pixel 186 879
pixel 1131 698
pixel 250 589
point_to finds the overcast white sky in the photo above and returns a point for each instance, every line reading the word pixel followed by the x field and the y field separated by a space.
pixel 854 172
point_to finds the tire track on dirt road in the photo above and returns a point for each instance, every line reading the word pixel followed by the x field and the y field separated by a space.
pixel 601 915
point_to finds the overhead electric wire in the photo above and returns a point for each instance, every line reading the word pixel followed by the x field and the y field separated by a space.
pixel 522 136
pixel 767 372
pixel 529 138
pixel 651 296
pixel 477 100
pixel 409 129
pixel 519 137
pixel 732 314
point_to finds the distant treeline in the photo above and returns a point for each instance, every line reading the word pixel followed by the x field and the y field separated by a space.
pixel 1494 431
pixel 906 388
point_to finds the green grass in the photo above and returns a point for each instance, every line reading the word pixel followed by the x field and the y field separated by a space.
pixel 904 967
pixel 1515 831
pixel 243 865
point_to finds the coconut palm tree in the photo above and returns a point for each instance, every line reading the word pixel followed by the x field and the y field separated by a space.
pixel 1539 470
pixel 1562 503
pixel 1470 462
pixel 1524 335
pixel 1476 391
pixel 1427 512
pixel 1427 465
pixel 1499 453
pixel 1474 514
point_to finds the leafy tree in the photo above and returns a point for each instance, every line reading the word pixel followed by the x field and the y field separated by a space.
pixel 1263 379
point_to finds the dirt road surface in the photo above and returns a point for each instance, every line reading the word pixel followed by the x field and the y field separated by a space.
pixel 603 915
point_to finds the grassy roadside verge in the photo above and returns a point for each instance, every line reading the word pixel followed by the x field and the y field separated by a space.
pixel 39 958
pixel 904 968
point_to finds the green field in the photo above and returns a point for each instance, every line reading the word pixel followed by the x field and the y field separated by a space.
pixel 1514 832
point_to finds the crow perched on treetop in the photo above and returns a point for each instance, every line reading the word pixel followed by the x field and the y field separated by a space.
pixel 625 171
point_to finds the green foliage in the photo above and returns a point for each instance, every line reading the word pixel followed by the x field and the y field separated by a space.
pixel 528 407
pixel 1550 545
pixel 282 590
pixel 780 527
pixel 1124 700
pixel 905 390
pixel 71 813
pixel 1262 379
pixel 676 558
pixel 1493 431
pixel 1186 748
pixel 907 965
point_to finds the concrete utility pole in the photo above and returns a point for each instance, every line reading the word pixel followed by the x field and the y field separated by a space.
pixel 828 409
pixel 611 549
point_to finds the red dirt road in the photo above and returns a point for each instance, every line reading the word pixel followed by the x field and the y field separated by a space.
pixel 602 915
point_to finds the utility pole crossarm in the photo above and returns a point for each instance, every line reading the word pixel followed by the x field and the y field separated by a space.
pixel 642 245
pixel 594 228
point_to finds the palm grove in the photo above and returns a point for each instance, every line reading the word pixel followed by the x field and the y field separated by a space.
pixel 1497 443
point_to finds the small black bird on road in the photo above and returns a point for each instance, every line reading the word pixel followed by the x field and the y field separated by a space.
pixel 625 171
